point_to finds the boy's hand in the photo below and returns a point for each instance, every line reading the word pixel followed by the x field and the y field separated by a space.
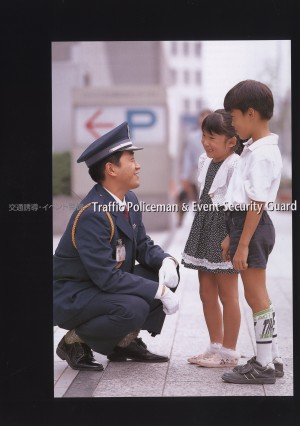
pixel 240 258
pixel 225 248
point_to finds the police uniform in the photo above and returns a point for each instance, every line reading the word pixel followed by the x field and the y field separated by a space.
pixel 100 295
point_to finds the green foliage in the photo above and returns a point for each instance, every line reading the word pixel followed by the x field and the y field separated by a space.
pixel 61 173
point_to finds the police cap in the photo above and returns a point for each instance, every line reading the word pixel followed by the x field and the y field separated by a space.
pixel 118 139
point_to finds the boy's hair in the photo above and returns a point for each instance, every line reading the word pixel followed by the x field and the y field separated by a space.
pixel 97 170
pixel 220 122
pixel 250 94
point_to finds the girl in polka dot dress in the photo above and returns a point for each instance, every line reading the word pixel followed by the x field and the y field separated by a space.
pixel 203 251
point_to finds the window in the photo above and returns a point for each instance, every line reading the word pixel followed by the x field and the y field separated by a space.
pixel 198 77
pixel 198 104
pixel 173 76
pixel 174 47
pixel 185 48
pixel 186 105
pixel 86 79
pixel 198 49
pixel 186 77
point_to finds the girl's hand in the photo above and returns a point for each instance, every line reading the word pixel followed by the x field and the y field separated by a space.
pixel 240 258
pixel 225 248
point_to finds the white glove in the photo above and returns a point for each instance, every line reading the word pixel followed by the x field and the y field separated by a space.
pixel 169 300
pixel 168 273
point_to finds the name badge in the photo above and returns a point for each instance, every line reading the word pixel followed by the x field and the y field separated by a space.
pixel 120 252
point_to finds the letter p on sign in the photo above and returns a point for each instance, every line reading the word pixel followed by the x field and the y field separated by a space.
pixel 140 119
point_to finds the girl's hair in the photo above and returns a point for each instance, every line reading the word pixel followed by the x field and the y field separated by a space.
pixel 219 122
pixel 97 170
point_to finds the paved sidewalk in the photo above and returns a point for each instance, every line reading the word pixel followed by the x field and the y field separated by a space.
pixel 185 334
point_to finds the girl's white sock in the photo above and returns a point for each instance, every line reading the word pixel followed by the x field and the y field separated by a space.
pixel 229 352
pixel 214 347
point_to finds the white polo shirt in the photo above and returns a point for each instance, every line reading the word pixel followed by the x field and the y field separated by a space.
pixel 257 175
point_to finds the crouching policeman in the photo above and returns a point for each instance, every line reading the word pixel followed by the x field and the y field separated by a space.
pixel 100 295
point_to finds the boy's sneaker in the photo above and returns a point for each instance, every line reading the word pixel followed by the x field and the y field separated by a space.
pixel 196 359
pixel 219 360
pixel 278 364
pixel 251 373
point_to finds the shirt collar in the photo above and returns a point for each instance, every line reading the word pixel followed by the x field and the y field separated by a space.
pixel 271 139
pixel 120 202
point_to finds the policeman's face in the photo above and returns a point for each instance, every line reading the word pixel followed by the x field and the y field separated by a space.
pixel 128 171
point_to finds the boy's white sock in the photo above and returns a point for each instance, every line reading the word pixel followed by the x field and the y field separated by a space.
pixel 275 350
pixel 263 327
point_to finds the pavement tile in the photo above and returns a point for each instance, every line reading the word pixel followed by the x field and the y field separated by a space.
pixel 200 388
pixel 60 367
pixel 65 380
pixel 280 389
pixel 84 384
pixel 181 370
pixel 140 371
pixel 129 387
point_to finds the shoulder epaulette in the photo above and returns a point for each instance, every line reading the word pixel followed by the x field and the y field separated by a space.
pixel 112 227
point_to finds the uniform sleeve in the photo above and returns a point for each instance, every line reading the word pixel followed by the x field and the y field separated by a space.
pixel 93 245
pixel 148 253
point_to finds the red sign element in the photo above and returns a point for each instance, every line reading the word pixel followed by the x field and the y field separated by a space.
pixel 91 124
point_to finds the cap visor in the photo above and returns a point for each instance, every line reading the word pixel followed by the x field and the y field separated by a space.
pixel 130 148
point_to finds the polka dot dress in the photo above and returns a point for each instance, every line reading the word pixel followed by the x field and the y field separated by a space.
pixel 203 247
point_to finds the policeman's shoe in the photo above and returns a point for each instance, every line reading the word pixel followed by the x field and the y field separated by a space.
pixel 251 373
pixel 136 351
pixel 79 356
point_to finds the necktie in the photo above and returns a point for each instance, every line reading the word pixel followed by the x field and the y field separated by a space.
pixel 126 214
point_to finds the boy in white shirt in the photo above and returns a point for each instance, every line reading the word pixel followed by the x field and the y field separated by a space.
pixel 251 238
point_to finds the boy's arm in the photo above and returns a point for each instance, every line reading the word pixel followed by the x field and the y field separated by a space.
pixel 252 219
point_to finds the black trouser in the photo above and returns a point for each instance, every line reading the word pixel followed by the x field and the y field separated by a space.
pixel 108 318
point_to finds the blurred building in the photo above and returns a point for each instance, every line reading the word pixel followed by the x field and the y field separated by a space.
pixel 88 70
pixel 174 65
